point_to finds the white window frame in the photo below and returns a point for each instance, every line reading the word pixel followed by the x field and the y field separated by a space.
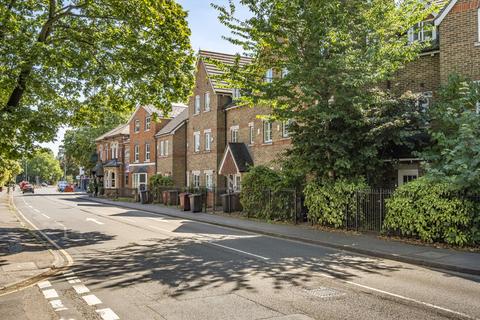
pixel 269 76
pixel 136 152
pixel 148 119
pixel 196 107
pixel 406 172
pixel 127 154
pixel 162 148
pixel 209 180
pixel 478 25
pixel 208 140
pixel 196 141
pixel 112 179
pixel 114 149
pixel 147 152
pixel 166 148
pixel 196 179
pixel 285 125
pixel 136 180
pixel 236 94
pixel 420 33
pixel 207 102
pixel 285 72
pixel 267 128
pixel 234 133
pixel 136 127
pixel 251 133
pixel 100 151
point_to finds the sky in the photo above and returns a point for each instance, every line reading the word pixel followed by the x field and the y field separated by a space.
pixel 207 34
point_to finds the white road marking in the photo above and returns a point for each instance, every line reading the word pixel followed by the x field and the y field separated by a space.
pixel 237 250
pixel 91 300
pixel 69 274
pixel 43 214
pixel 73 280
pixel 409 299
pixel 128 219
pixel 81 288
pixel 94 220
pixel 107 314
pixel 44 284
pixel 57 305
pixel 50 293
pixel 36 210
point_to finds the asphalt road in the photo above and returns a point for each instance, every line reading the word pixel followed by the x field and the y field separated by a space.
pixel 137 265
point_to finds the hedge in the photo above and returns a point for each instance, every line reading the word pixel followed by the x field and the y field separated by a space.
pixel 427 210
pixel 328 202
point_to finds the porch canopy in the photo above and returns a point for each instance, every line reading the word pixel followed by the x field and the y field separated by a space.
pixel 236 159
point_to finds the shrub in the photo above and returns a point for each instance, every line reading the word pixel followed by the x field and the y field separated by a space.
pixel 158 180
pixel 427 210
pixel 263 195
pixel 327 203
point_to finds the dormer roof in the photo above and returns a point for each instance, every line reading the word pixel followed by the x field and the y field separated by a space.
pixel 120 130
pixel 177 108
pixel 213 71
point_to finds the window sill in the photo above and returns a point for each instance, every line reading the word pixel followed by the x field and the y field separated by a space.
pixel 267 143
pixel 196 114
pixel 205 111
pixel 477 44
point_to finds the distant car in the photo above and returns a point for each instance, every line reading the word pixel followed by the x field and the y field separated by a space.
pixel 44 184
pixel 27 188
pixel 61 185
pixel 69 188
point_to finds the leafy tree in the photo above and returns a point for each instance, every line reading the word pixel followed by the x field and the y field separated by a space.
pixel 44 166
pixel 9 169
pixel 70 60
pixel 454 156
pixel 326 57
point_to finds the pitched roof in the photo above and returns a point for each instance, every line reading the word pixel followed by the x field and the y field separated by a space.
pixel 240 156
pixel 174 124
pixel 213 71
pixel 447 6
pixel 120 130
pixel 177 108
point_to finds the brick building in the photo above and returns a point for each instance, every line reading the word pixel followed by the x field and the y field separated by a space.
pixel 111 148
pixel 143 125
pixel 454 34
pixel 215 121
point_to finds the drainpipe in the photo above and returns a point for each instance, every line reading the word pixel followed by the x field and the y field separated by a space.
pixel 185 154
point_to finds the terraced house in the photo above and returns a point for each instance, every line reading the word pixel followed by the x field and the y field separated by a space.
pixel 454 34
pixel 223 138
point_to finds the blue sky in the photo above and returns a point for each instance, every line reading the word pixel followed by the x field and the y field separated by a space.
pixel 207 34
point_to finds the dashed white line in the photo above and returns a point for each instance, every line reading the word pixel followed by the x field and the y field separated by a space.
pixel 91 300
pixel 237 250
pixel 94 220
pixel 50 293
pixel 44 284
pixel 73 280
pixel 43 214
pixel 36 210
pixel 80 288
pixel 57 305
pixel 107 314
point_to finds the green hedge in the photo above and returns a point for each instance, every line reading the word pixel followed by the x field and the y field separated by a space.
pixel 428 211
pixel 327 203
pixel 263 195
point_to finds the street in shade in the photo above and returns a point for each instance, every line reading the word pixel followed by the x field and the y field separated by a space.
pixel 126 263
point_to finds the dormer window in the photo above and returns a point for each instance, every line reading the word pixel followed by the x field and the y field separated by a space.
pixel 269 75
pixel 137 126
pixel 422 32
pixel 147 123
pixel 197 105
pixel 236 94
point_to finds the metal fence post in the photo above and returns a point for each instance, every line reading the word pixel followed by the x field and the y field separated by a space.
pixel 295 206
pixel 357 209
pixel 381 210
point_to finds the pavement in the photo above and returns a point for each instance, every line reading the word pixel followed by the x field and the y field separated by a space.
pixel 23 255
pixel 422 255
pixel 134 264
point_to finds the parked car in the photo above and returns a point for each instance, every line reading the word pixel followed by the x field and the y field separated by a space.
pixel 61 185
pixel 27 188
pixel 44 184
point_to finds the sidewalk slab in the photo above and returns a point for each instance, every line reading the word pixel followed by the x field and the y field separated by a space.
pixel 22 255
pixel 428 256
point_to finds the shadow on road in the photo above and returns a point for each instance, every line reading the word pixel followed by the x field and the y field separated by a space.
pixel 186 266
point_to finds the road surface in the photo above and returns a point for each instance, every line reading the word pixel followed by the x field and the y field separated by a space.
pixel 131 264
